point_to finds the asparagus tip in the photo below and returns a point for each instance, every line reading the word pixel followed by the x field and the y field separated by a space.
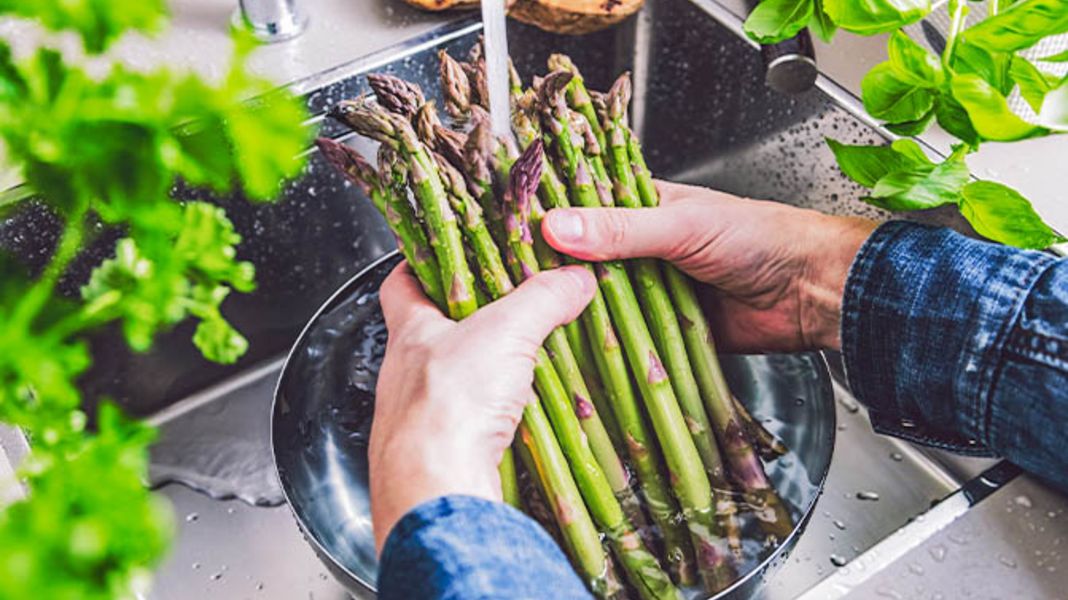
pixel 619 97
pixel 349 162
pixel 395 94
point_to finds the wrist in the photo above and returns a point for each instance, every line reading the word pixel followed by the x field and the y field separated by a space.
pixel 834 243
pixel 408 470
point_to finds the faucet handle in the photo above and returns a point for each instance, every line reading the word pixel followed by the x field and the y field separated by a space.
pixel 271 20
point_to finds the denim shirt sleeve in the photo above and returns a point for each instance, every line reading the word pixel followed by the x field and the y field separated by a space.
pixel 460 547
pixel 961 344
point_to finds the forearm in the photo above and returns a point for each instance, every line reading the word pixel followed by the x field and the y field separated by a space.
pixel 961 344
pixel 465 547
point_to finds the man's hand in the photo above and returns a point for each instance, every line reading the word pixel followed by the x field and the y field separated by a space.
pixel 450 395
pixel 778 271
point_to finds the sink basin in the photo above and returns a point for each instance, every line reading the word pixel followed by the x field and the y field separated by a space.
pixel 705 117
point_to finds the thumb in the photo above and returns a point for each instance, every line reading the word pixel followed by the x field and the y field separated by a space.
pixel 542 303
pixel 599 234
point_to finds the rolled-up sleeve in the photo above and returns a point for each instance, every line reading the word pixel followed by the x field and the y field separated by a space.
pixel 460 547
pixel 961 344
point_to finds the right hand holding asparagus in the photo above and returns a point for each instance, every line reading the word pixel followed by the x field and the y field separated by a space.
pixel 778 271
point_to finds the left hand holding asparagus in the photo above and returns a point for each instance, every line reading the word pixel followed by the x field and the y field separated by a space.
pixel 450 394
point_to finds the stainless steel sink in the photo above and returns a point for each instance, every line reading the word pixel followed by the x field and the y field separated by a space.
pixel 705 116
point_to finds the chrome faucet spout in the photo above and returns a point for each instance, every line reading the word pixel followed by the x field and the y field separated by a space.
pixel 271 20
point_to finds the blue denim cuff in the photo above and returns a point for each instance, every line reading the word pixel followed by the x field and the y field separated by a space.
pixel 471 548
pixel 926 316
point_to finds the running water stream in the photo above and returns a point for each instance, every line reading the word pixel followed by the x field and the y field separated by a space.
pixel 496 51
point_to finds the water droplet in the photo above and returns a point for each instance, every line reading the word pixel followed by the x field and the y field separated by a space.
pixel 799 401
pixel 870 496
pixel 322 576
pixel 830 536
pixel 938 552
pixel 886 592
pixel 839 524
pixel 958 539
pixel 916 568
pixel 838 561
pixel 196 566
pixel 896 456
pixel 192 517
pixel 231 510
pixel 216 576
pixel 259 586
pixel 1023 501
pixel 1007 561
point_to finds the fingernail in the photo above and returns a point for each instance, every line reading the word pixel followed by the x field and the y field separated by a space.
pixel 566 225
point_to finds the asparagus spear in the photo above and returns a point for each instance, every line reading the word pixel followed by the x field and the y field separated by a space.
pixel 398 214
pixel 667 332
pixel 641 567
pixel 611 366
pixel 577 94
pixel 684 464
pixel 520 255
pixel 769 446
pixel 744 465
pixel 371 120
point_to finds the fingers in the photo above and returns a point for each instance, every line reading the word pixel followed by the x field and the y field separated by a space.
pixel 403 300
pixel 536 307
pixel 607 233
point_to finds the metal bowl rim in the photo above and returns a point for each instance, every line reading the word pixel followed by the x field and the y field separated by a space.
pixel 822 370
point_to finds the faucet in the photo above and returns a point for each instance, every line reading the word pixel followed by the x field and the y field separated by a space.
pixel 271 20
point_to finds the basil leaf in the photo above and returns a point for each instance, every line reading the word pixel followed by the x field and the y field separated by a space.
pixel 911 128
pixel 1058 57
pixel 886 96
pixel 1001 214
pixel 989 111
pixel 868 17
pixel 1054 111
pixel 1020 26
pixel 952 117
pixel 911 151
pixel 776 20
pixel 866 165
pixel 912 62
pixel 821 24
pixel 1032 82
pixel 992 67
pixel 921 187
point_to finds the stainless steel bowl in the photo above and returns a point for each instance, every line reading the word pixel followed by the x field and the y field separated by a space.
pixel 324 404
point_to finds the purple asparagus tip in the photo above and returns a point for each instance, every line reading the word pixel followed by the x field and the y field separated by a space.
pixel 525 176
pixel 396 94
pixel 350 162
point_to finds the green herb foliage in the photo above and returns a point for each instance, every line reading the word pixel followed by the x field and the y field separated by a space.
pixel 108 149
pixel 965 90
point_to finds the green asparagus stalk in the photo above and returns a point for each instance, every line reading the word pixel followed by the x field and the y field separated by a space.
pixel 371 120
pixel 572 514
pixel 520 255
pixel 664 323
pixel 766 443
pixel 389 195
pixel 688 478
pixel 398 214
pixel 640 566
pixel 744 465
pixel 578 97
pixel 611 366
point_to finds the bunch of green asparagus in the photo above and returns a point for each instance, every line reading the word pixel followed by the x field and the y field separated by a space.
pixel 634 386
